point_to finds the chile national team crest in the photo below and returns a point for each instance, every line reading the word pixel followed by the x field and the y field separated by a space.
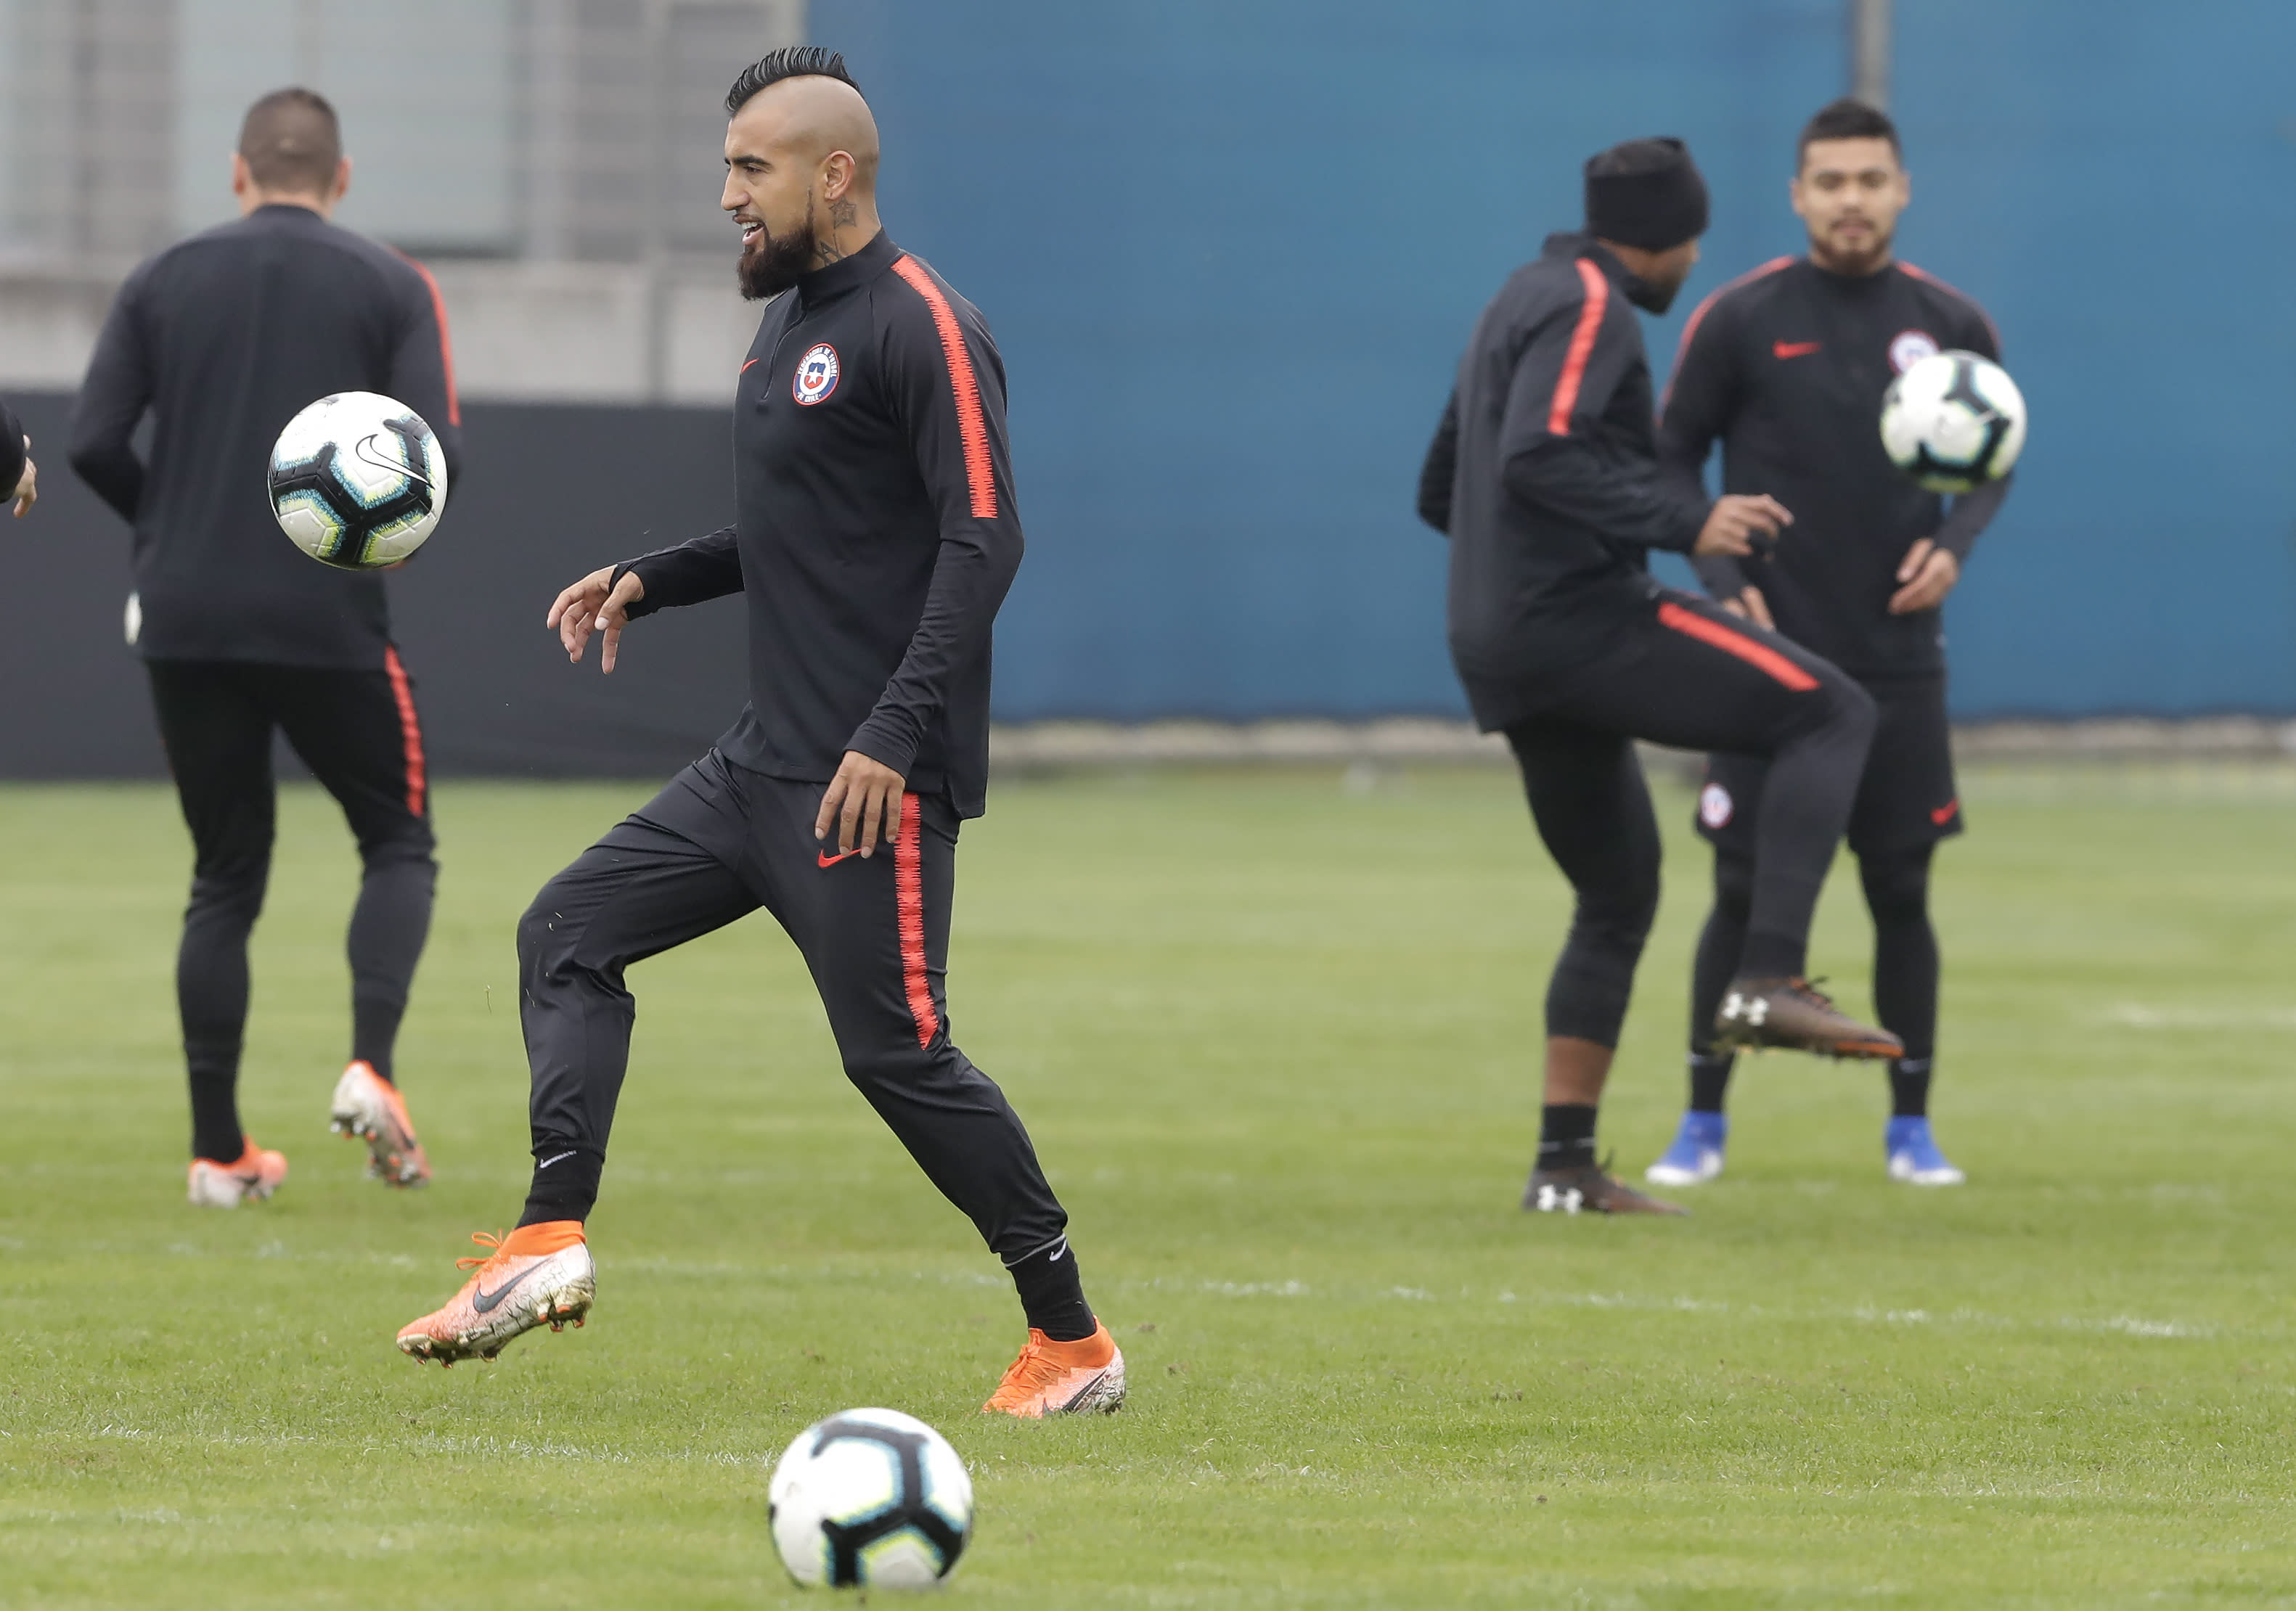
pixel 817 375
pixel 1908 348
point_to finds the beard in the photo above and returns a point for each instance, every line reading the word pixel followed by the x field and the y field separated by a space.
pixel 770 266
pixel 1856 260
pixel 1654 297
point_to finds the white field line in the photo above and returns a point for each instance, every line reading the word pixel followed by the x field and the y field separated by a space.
pixel 2136 1015
pixel 1868 1314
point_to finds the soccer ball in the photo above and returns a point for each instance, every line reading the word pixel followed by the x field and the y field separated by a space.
pixel 871 1499
pixel 1953 422
pixel 358 480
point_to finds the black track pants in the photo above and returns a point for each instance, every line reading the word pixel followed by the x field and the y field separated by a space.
pixel 358 733
pixel 714 845
pixel 1690 675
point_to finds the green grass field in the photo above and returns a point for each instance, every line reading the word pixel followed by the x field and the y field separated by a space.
pixel 1276 1041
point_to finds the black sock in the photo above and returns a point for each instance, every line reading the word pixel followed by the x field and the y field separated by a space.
pixel 1771 956
pixel 216 1135
pixel 1566 1135
pixel 565 1183
pixel 1052 1292
pixel 1909 1088
pixel 1710 1079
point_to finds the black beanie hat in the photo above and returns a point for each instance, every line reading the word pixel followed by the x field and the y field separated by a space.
pixel 1645 193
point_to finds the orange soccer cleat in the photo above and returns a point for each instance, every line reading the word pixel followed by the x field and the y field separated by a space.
pixel 537 1275
pixel 254 1173
pixel 369 1107
pixel 1061 1378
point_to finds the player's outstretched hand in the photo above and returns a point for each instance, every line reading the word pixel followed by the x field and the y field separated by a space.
pixel 596 603
pixel 1741 522
pixel 28 484
pixel 1928 573
pixel 1751 605
pixel 863 803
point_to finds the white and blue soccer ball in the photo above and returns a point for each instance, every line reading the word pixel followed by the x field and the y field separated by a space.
pixel 870 1499
pixel 1953 420
pixel 358 480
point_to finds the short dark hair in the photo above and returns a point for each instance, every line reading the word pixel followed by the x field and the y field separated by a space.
pixel 292 143
pixel 790 62
pixel 1848 119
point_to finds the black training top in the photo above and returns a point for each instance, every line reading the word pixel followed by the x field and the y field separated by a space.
pixel 874 533
pixel 224 338
pixel 1788 365
pixel 1544 473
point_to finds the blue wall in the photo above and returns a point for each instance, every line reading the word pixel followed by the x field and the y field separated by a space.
pixel 1231 248
pixel 2117 180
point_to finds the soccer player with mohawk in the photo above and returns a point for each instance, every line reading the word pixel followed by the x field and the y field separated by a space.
pixel 875 540
pixel 1545 474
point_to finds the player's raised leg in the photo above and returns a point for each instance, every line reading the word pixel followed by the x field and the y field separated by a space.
pixel 1594 813
pixel 640 890
pixel 874 932
pixel 358 733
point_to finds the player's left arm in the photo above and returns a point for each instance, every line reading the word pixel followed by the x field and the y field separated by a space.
pixel 946 386
pixel 422 368
pixel 1933 567
pixel 112 398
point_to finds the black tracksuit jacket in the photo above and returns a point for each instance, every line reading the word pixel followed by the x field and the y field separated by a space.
pixel 874 535
pixel 1544 471
pixel 1788 365
pixel 224 338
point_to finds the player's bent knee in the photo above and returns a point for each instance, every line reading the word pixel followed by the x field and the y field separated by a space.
pixel 1897 888
pixel 1734 888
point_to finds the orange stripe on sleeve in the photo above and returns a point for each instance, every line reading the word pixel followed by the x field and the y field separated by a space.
pixel 971 424
pixel 1582 344
pixel 410 731
pixel 909 901
pixel 445 347
pixel 1759 656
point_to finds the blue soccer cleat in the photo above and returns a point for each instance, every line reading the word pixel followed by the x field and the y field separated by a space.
pixel 1696 1155
pixel 1915 1158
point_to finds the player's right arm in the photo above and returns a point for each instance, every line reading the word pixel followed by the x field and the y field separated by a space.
pixel 1435 476
pixel 1693 412
pixel 613 596
pixel 113 399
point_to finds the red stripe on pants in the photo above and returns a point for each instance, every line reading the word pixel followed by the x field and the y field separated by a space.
pixel 409 730
pixel 909 895
pixel 1759 656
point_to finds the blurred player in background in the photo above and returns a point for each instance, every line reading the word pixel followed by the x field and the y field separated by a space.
pixel 222 339
pixel 1544 473
pixel 1787 367
pixel 875 540
pixel 20 479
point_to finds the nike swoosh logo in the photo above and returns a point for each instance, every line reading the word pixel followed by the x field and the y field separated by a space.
pixel 484 1302
pixel 745 368
pixel 1794 349
pixel 827 860
pixel 1944 813
pixel 561 1159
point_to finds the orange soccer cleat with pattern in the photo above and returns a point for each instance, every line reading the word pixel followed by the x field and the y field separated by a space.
pixel 537 1275
pixel 1061 1378
pixel 369 1107
pixel 255 1173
